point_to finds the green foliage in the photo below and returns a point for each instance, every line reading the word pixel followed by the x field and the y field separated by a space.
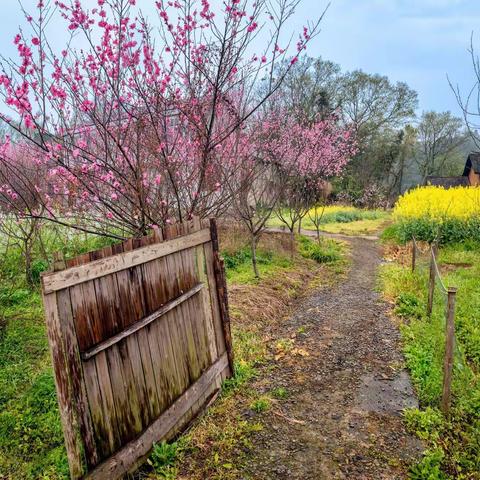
pixel 38 267
pixel 390 233
pixel 408 305
pixel 238 265
pixel 347 216
pixel 31 434
pixel 430 467
pixel 325 251
pixel 450 230
pixel 163 459
pixel 280 392
pixel 453 445
pixel 240 257
pixel 260 405
pixel 426 424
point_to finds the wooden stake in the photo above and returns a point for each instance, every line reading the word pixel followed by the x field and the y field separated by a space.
pixel 414 255
pixel 431 280
pixel 449 349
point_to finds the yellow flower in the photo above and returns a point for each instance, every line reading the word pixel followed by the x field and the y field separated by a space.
pixel 438 203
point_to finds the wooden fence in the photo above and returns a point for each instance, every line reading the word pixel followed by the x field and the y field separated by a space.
pixel 450 299
pixel 140 341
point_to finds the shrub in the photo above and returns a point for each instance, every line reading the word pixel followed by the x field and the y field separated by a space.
pixel 240 257
pixel 429 468
pixel 326 251
pixel 344 214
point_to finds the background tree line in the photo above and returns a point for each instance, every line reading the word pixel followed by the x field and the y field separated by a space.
pixel 397 148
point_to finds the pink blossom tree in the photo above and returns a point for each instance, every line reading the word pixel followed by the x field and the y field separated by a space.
pixel 284 166
pixel 140 126
pixel 317 151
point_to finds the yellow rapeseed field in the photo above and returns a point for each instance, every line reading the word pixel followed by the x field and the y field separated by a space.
pixel 329 209
pixel 438 203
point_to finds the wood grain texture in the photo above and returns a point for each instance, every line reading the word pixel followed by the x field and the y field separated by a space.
pixel 126 459
pixel 219 270
pixel 55 281
pixel 142 323
pixel 63 385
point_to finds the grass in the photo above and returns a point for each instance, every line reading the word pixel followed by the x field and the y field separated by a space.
pixel 238 264
pixel 343 220
pixel 31 439
pixel 359 227
pixel 452 444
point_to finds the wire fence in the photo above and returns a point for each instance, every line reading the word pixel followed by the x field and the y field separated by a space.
pixel 449 295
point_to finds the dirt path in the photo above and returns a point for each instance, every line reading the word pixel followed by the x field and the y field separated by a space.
pixel 346 385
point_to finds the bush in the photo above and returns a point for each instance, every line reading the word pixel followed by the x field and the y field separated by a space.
pixel 326 251
pixel 450 230
pixel 240 257
pixel 38 267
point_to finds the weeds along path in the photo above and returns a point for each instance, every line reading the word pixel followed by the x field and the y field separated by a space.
pixel 342 371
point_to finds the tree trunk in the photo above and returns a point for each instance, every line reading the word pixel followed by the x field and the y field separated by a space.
pixel 28 265
pixel 292 242
pixel 300 226
pixel 253 246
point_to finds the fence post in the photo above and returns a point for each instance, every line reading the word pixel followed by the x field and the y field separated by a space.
pixel 449 349
pixel 431 280
pixel 414 254
pixel 219 269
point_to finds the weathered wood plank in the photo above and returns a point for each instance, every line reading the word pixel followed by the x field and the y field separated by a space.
pixel 97 375
pixel 56 281
pixel 126 458
pixel 127 382
pixel 219 270
pixel 75 371
pixel 142 323
pixel 62 382
pixel 205 300
pixel 168 380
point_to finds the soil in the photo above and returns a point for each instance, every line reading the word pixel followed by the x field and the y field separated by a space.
pixel 337 361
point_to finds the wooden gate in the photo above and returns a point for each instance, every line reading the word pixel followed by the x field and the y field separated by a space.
pixel 140 340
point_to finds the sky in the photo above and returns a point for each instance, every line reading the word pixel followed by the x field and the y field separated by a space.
pixel 416 41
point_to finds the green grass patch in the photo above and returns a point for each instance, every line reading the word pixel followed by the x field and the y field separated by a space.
pixel 261 405
pixel 31 439
pixel 323 251
pixel 453 444
pixel 343 220
pixel 238 265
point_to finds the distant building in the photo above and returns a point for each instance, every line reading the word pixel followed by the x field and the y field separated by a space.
pixel 470 177
pixel 472 169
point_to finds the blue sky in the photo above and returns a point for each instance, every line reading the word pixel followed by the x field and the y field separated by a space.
pixel 417 41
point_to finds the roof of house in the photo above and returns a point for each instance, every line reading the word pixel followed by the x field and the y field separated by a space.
pixel 473 162
pixel 447 182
